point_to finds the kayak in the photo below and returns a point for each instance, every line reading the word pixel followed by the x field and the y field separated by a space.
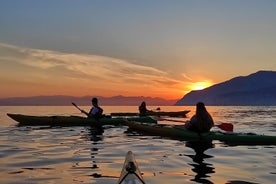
pixel 153 113
pixel 28 120
pixel 130 173
pixel 179 132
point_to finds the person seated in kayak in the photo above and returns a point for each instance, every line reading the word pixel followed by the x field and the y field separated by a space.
pixel 143 108
pixel 96 111
pixel 202 121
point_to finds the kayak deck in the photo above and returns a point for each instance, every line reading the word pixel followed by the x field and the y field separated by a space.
pixel 179 132
pixel 29 120
pixel 130 173
pixel 153 113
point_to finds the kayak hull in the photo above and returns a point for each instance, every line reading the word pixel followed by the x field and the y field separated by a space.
pixel 179 132
pixel 153 113
pixel 28 120
pixel 130 172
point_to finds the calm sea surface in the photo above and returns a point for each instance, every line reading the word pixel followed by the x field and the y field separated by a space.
pixel 74 155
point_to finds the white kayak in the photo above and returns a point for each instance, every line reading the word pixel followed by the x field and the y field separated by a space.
pixel 130 173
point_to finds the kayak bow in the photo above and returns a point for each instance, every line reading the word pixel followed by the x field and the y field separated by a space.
pixel 130 173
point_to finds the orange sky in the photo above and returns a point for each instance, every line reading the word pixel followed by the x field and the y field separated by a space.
pixel 131 48
pixel 29 72
pixel 32 72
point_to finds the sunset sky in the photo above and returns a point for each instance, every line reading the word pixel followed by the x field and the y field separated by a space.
pixel 158 48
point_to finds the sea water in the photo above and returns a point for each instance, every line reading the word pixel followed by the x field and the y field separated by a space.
pixel 64 155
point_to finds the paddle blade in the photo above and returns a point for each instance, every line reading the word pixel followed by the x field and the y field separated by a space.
pixel 226 127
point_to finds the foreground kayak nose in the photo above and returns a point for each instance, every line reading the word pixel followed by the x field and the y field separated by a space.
pixel 130 172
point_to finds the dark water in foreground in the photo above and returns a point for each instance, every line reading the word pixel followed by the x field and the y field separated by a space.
pixel 76 155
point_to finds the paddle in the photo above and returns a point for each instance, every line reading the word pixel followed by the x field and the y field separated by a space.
pixel 82 111
pixel 77 106
pixel 223 126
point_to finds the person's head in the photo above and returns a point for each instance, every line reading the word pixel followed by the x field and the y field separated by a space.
pixel 200 107
pixel 143 104
pixel 94 101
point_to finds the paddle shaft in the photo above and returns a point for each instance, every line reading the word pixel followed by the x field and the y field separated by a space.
pixel 223 126
pixel 76 106
pixel 82 111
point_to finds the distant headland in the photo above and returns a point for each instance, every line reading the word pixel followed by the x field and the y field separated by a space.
pixel 255 89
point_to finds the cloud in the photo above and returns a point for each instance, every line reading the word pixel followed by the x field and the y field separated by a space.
pixel 88 64
pixel 186 76
pixel 101 69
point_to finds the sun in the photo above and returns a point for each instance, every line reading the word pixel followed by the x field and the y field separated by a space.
pixel 200 85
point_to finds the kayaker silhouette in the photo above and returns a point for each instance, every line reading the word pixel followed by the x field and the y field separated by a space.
pixel 202 121
pixel 143 109
pixel 96 111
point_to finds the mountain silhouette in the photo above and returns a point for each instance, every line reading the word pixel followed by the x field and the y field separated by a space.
pixel 85 100
pixel 255 89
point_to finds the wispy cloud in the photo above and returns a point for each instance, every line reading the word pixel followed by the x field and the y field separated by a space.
pixel 105 70
pixel 186 76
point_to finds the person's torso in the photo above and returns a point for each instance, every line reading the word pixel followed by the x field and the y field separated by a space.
pixel 96 111
pixel 202 123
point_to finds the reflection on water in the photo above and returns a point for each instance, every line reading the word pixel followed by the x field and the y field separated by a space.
pixel 95 135
pixel 81 155
pixel 200 167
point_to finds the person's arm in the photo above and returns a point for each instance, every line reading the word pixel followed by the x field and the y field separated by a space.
pixel 193 119
pixel 84 112
pixel 191 122
pixel 211 120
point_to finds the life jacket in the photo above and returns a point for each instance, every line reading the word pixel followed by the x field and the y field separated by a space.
pixel 96 112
